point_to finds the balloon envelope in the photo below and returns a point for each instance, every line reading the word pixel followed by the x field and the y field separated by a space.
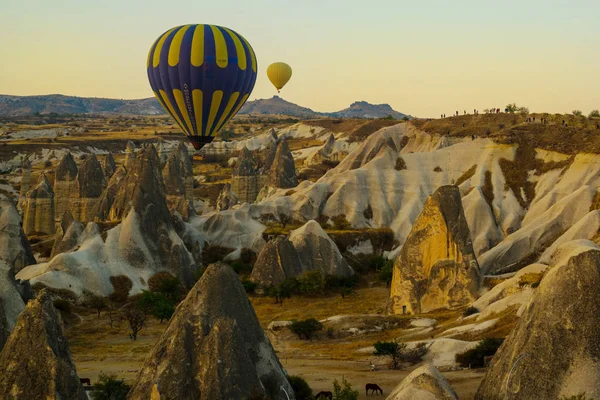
pixel 279 74
pixel 202 75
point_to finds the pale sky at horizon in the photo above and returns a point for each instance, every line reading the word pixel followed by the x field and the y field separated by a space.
pixel 424 58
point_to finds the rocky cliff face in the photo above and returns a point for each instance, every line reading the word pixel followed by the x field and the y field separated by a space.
pixel 109 166
pixel 276 262
pixel 130 153
pixel 246 180
pixel 213 348
pixel 282 173
pixel 101 210
pixel 89 186
pixel 39 208
pixel 425 382
pixel 436 267
pixel 554 349
pixel 11 301
pixel 226 199
pixel 317 251
pixel 25 181
pixel 178 179
pixel 36 360
pixel 15 250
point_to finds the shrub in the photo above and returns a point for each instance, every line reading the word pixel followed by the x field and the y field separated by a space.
pixel 400 164
pixel 98 303
pixel 341 223
pixel 249 286
pixel 368 212
pixel 311 282
pixel 241 268
pixel 301 389
pixel 595 114
pixel 437 169
pixel 470 311
pixel 109 387
pixel 398 352
pixel 577 113
pixel 385 270
pixel 155 304
pixel 121 287
pixel 522 110
pixel 306 328
pixel 248 256
pixel 213 254
pixel 345 392
pixel 474 357
pixel 165 284
pixel 580 396
pixel 282 291
pixel 512 108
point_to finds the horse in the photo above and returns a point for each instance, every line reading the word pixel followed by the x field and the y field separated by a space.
pixel 374 388
pixel 325 395
pixel 85 381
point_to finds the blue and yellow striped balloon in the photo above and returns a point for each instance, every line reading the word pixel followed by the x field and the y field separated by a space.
pixel 202 75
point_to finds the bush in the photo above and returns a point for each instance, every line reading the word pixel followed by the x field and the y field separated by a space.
pixel 110 388
pixel 512 108
pixel 577 113
pixel 398 352
pixel 385 270
pixel 474 357
pixel 213 254
pixel 341 223
pixel 249 285
pixel 98 303
pixel 580 396
pixel 241 268
pixel 248 256
pixel 523 110
pixel 165 284
pixel 306 328
pixel 155 304
pixel 282 291
pixel 344 393
pixel 595 114
pixel 301 389
pixel 470 311
pixel 311 282
pixel 121 287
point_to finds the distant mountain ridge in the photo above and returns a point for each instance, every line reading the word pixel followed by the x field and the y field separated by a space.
pixel 61 104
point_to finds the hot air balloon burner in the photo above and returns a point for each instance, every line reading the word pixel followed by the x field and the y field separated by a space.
pixel 200 141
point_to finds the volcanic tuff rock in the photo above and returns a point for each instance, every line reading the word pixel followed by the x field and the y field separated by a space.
pixel 64 184
pixel 185 158
pixel 213 348
pixel 89 186
pixel 11 301
pixel 14 246
pixel 245 180
pixel 25 176
pixel 109 166
pixel 226 199
pixel 424 383
pixel 317 251
pixel 436 267
pixel 101 211
pixel 276 262
pixel 176 176
pixel 130 153
pixel 282 173
pixel 39 208
pixel 556 340
pixel 327 153
pixel 36 360
pixel 67 235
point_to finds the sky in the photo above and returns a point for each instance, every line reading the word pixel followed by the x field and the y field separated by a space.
pixel 424 58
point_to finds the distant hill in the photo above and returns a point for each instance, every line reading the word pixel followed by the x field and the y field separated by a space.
pixel 60 104
pixel 277 105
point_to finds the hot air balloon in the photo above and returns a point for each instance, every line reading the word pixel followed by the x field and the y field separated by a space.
pixel 202 75
pixel 279 74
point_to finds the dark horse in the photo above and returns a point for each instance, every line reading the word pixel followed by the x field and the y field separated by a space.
pixel 374 388
pixel 324 395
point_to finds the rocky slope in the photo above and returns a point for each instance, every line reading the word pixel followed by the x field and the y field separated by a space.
pixel 213 348
pixel 424 383
pixel 36 360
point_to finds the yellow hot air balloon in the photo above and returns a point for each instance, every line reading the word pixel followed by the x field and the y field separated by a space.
pixel 279 74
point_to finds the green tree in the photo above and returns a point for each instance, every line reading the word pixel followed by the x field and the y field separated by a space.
pixel 392 350
pixel 595 114
pixel 96 302
pixel 166 284
pixel 282 291
pixel 577 113
pixel 475 357
pixel 512 108
pixel 109 387
pixel 345 392
pixel 311 282
pixel 306 328
pixel 155 304
pixel 302 390
pixel 386 271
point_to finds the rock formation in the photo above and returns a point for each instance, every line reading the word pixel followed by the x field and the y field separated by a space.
pixel 109 166
pixel 425 382
pixel 269 157
pixel 36 360
pixel 213 348
pixel 25 181
pixel 327 153
pixel 14 246
pixel 130 153
pixel 317 251
pixel 11 301
pixel 245 179
pixel 226 199
pixel 64 184
pixel 553 350
pixel 101 210
pixel 436 267
pixel 89 186
pixel 282 173
pixel 178 179
pixel 276 262
pixel 38 216
pixel 67 235
pixel 184 155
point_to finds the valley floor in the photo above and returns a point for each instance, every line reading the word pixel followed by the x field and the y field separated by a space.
pixel 97 348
